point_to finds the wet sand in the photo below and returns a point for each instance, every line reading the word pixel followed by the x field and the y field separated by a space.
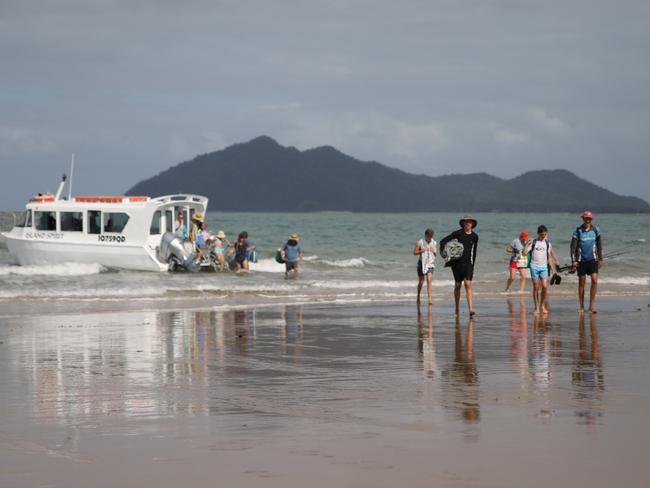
pixel 328 395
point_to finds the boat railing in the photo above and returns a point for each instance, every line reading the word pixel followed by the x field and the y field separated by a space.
pixel 181 198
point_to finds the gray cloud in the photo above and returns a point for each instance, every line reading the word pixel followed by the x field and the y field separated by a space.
pixel 427 86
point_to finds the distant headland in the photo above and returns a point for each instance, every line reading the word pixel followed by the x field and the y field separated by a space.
pixel 262 175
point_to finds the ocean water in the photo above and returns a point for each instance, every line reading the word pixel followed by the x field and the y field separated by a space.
pixel 348 258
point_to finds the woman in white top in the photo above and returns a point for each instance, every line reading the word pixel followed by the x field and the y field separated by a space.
pixel 426 250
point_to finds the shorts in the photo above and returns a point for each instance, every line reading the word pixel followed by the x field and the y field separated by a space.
pixel 463 272
pixel 218 250
pixel 537 274
pixel 420 272
pixel 587 268
pixel 513 265
pixel 290 266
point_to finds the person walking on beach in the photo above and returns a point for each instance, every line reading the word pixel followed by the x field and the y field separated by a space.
pixel 425 249
pixel 462 263
pixel 518 261
pixel 292 256
pixel 540 250
pixel 587 258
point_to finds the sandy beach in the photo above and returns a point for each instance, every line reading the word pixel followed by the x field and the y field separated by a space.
pixel 328 395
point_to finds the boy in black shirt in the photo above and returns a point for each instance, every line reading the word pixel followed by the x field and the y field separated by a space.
pixel 463 265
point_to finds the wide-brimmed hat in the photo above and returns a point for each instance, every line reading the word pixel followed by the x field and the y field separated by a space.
pixel 587 214
pixel 294 237
pixel 470 218
pixel 221 234
pixel 198 216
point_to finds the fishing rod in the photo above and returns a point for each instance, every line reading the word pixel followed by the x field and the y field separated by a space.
pixel 556 279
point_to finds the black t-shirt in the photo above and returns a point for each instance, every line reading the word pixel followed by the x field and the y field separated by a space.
pixel 470 244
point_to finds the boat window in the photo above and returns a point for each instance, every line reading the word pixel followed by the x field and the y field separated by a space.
pixel 72 221
pixel 169 220
pixel 45 220
pixel 94 222
pixel 24 219
pixel 155 223
pixel 115 221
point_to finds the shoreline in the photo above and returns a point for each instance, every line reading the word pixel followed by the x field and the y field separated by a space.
pixel 63 306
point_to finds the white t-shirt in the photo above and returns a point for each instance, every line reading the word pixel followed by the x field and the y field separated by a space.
pixel 540 253
pixel 428 257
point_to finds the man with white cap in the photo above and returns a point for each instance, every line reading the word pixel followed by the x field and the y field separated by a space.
pixel 587 258
pixel 462 265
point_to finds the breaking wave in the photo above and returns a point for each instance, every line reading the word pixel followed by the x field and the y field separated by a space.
pixel 66 269
pixel 348 263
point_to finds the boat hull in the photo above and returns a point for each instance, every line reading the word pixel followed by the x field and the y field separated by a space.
pixel 31 252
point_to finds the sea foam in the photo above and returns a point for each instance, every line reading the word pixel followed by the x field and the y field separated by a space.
pixel 66 269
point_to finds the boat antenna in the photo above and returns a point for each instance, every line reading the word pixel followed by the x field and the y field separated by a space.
pixel 71 173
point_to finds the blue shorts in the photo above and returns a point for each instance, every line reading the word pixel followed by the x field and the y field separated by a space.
pixel 537 274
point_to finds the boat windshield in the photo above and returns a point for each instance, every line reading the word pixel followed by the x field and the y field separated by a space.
pixel 24 219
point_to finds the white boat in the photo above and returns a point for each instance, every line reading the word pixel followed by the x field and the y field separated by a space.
pixel 123 232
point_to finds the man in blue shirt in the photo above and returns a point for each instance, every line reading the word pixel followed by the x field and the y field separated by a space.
pixel 587 258
pixel 292 255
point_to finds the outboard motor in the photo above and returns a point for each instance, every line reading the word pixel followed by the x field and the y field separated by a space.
pixel 174 253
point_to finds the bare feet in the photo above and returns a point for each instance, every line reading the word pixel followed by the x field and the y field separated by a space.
pixel 581 310
pixel 593 310
pixel 536 312
pixel 472 313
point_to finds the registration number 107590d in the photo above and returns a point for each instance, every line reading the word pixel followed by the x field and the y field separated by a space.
pixel 103 238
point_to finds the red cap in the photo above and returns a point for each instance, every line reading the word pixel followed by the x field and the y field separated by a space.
pixel 587 214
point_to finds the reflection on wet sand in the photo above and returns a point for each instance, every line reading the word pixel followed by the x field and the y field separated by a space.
pixel 519 338
pixel 461 379
pixel 291 330
pixel 326 390
pixel 426 346
pixel 587 376
pixel 77 368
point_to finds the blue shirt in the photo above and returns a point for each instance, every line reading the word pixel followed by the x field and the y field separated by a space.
pixel 292 253
pixel 586 242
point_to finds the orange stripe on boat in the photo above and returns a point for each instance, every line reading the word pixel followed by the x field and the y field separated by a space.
pixel 108 199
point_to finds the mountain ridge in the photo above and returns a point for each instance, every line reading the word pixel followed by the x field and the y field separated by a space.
pixel 263 175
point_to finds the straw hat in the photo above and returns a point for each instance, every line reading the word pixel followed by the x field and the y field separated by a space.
pixel 470 218
pixel 198 216
pixel 294 237
pixel 221 234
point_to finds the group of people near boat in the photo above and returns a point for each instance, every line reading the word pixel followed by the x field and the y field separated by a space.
pixel 535 257
pixel 237 255
pixel 216 247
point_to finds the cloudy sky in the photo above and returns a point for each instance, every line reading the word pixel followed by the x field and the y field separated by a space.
pixel 501 86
